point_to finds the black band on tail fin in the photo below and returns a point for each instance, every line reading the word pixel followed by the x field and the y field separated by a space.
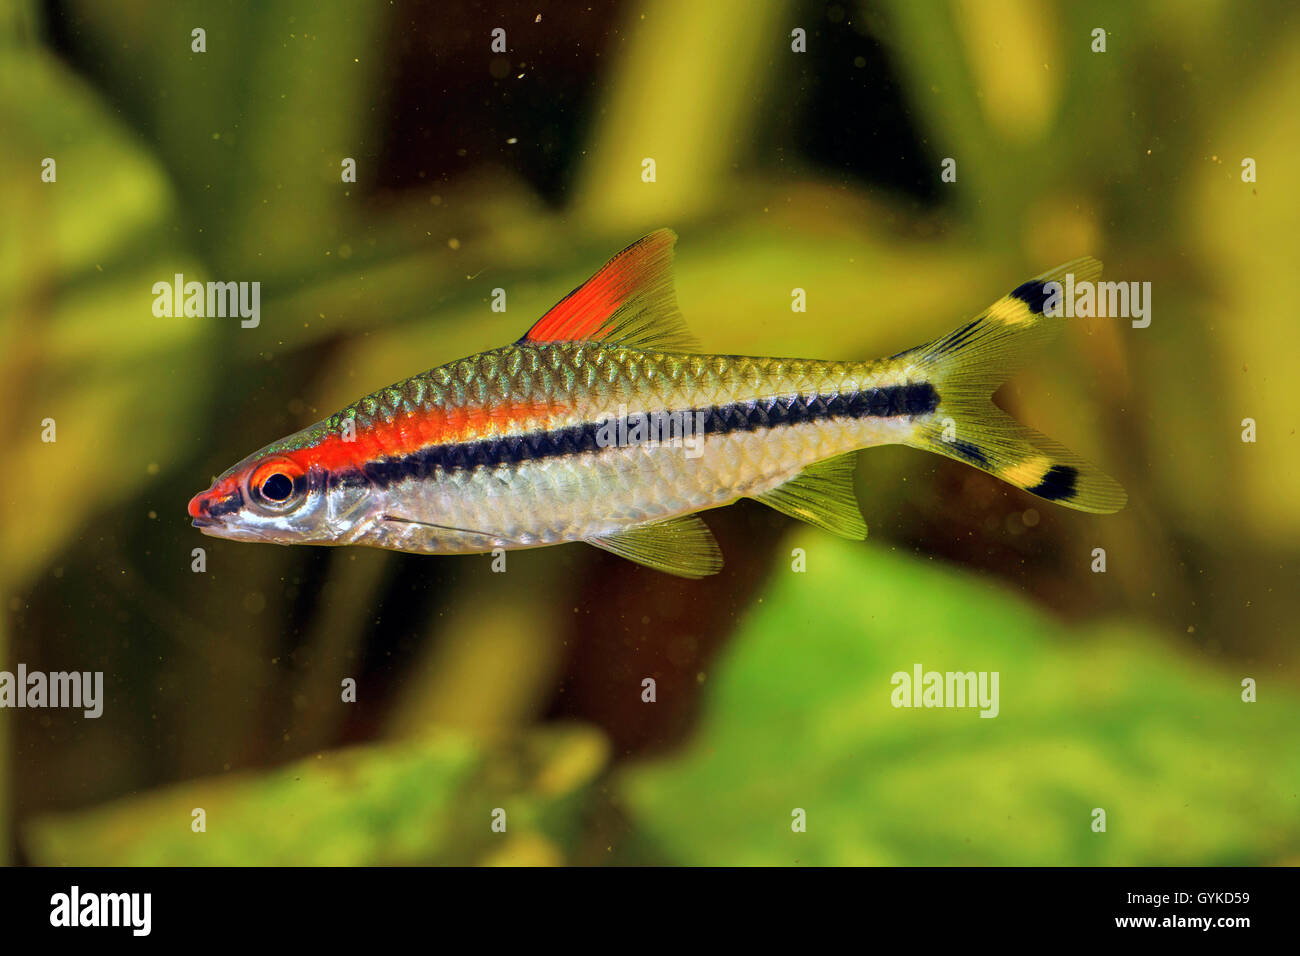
pixel 968 364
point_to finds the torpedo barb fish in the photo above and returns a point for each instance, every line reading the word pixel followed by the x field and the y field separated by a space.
pixel 604 424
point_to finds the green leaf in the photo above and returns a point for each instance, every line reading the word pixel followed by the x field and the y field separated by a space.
pixel 428 801
pixel 79 343
pixel 800 716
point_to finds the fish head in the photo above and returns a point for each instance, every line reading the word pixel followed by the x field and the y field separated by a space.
pixel 278 495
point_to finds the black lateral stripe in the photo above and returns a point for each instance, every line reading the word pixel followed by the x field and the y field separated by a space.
pixel 917 398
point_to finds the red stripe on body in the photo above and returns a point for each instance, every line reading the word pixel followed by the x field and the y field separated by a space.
pixel 402 435
pixel 406 434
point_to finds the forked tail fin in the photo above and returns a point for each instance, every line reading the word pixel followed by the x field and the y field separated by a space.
pixel 968 364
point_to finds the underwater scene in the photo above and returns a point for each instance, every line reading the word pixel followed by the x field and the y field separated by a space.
pixel 652 433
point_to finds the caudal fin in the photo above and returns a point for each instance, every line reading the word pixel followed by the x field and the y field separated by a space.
pixel 968 364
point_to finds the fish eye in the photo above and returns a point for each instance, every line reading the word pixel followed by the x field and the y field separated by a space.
pixel 276 487
pixel 276 483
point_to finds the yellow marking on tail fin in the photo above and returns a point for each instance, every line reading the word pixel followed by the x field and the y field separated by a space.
pixel 1010 311
pixel 966 367
pixel 1027 473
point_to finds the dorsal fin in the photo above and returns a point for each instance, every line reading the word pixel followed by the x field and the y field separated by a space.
pixel 630 301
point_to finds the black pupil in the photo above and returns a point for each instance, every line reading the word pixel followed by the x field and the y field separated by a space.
pixel 277 487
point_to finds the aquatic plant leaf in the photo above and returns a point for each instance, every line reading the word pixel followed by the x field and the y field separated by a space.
pixel 431 800
pixel 82 355
pixel 799 717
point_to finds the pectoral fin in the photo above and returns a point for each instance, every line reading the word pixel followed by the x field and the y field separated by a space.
pixel 682 546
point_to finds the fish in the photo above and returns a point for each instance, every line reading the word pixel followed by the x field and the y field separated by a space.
pixel 605 424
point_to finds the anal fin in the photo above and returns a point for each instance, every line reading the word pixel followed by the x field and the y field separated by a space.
pixel 682 546
pixel 822 495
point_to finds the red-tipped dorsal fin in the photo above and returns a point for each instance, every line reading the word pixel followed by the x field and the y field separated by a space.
pixel 630 301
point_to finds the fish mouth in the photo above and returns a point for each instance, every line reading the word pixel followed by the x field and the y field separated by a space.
pixel 214 525
pixel 209 513
pixel 216 528
pixel 221 527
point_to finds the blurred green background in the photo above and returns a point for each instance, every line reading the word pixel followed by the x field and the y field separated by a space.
pixel 522 691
